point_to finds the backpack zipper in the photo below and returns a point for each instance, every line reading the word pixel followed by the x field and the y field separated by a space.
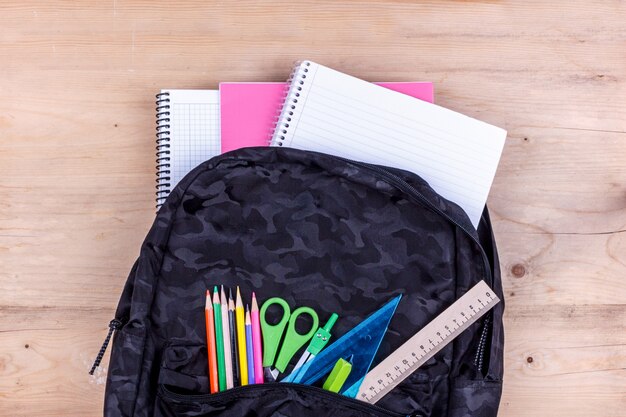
pixel 409 189
pixel 114 324
pixel 482 344
pixel 354 403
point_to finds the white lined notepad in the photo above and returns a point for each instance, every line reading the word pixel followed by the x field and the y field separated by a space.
pixel 331 112
pixel 188 133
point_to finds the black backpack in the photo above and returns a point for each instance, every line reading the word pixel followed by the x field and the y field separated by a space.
pixel 320 231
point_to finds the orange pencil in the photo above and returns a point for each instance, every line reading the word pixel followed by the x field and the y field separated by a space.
pixel 210 342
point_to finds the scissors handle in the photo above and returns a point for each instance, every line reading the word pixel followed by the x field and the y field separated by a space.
pixel 294 340
pixel 272 333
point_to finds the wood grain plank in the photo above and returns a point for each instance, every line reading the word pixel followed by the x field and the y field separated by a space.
pixel 44 362
pixel 565 359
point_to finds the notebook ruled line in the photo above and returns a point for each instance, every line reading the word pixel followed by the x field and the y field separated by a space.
pixel 414 142
pixel 379 154
pixel 331 145
pixel 379 114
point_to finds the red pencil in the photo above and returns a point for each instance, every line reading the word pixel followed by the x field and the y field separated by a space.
pixel 210 339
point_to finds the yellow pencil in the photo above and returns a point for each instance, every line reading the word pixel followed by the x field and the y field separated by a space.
pixel 241 339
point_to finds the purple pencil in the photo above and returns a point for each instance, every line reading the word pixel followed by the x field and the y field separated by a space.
pixel 249 347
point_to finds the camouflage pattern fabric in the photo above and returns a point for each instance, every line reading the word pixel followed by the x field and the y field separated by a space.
pixel 319 232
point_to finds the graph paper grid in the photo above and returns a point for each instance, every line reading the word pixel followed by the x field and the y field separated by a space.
pixel 195 130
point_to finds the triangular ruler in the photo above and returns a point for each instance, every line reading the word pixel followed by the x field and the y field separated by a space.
pixel 362 343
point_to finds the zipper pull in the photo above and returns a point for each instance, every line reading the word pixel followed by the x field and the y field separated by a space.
pixel 482 345
pixel 115 324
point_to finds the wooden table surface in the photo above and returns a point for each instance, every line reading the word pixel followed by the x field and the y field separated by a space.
pixel 77 85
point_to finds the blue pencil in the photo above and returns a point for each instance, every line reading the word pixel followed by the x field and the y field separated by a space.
pixel 249 348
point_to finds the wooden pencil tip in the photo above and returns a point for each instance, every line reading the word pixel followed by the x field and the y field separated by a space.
pixel 238 303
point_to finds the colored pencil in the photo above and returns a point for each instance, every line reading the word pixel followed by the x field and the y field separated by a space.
pixel 228 360
pixel 241 340
pixel 219 340
pixel 256 341
pixel 249 348
pixel 210 341
pixel 233 339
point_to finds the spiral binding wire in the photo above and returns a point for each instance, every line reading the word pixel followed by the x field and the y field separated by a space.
pixel 291 96
pixel 163 185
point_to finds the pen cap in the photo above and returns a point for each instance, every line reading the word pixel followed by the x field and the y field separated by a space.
pixel 331 321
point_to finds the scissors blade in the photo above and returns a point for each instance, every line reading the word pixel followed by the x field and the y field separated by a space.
pixel 303 359
pixel 271 375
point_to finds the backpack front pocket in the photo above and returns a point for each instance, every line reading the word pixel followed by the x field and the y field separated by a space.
pixel 265 400
pixel 184 368
pixel 183 387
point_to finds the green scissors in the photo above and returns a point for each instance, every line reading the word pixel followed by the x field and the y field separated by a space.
pixel 273 333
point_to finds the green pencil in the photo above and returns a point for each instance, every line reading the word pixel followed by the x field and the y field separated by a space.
pixel 219 340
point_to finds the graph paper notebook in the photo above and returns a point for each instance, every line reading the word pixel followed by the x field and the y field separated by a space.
pixel 188 133
pixel 248 110
pixel 328 111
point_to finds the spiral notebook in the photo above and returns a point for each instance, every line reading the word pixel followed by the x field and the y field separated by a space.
pixel 188 133
pixel 332 112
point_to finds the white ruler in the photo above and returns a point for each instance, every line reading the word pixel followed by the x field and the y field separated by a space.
pixel 428 341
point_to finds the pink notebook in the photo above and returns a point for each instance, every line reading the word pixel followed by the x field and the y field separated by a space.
pixel 248 110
